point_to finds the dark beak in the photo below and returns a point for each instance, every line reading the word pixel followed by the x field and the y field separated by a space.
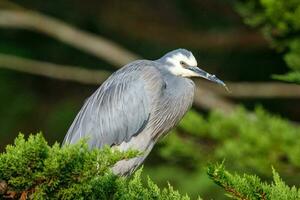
pixel 206 75
pixel 201 73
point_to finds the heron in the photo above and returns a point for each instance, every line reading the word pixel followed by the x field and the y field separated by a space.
pixel 137 105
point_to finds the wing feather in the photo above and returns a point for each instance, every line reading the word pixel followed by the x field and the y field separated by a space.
pixel 119 109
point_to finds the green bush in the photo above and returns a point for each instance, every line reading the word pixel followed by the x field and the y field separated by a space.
pixel 249 142
pixel 250 187
pixel 279 21
pixel 34 170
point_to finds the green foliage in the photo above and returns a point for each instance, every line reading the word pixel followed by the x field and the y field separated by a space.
pixel 248 187
pixel 250 142
pixel 261 139
pixel 32 169
pixel 279 21
pixel 291 77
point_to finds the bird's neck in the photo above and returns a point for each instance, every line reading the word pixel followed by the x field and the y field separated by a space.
pixel 179 84
pixel 177 99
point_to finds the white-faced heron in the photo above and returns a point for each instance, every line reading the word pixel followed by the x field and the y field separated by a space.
pixel 137 105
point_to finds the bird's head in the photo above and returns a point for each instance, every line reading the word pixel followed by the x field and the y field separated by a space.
pixel 182 62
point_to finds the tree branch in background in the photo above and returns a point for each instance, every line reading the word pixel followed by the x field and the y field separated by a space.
pixel 51 70
pixel 256 90
pixel 238 38
pixel 163 28
pixel 208 99
pixel 90 43
pixel 207 96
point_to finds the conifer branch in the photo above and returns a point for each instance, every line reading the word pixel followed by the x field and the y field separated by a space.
pixel 32 169
pixel 248 187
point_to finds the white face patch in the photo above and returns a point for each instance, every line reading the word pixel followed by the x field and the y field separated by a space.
pixel 179 70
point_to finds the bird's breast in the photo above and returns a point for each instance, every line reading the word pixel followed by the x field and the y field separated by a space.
pixel 177 99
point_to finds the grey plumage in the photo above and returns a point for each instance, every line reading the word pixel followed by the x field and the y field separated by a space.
pixel 134 107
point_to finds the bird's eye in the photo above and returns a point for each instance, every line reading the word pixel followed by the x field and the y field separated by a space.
pixel 183 64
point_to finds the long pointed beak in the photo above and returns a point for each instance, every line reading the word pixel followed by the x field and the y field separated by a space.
pixel 201 73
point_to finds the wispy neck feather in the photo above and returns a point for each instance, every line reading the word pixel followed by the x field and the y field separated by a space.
pixel 177 99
